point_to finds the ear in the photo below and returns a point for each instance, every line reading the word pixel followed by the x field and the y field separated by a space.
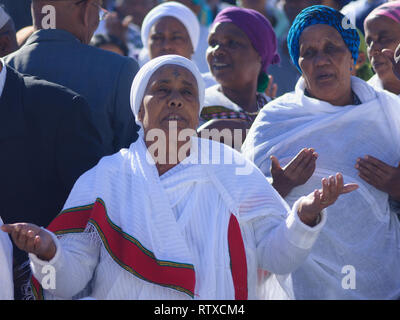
pixel 141 113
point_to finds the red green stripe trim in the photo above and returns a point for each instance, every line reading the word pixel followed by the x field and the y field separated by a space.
pixel 238 259
pixel 127 251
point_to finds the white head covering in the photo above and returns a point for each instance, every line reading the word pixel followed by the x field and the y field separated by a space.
pixel 177 11
pixel 142 78
pixel 4 17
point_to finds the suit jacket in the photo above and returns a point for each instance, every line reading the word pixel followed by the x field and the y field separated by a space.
pixel 103 78
pixel 47 140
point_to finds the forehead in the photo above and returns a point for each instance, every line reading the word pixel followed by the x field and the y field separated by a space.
pixel 170 73
pixel 316 33
pixel 170 24
pixel 378 24
pixel 228 29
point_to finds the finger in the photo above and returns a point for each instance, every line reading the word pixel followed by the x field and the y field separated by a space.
pixel 37 243
pixel 367 179
pixel 7 228
pixel 369 169
pixel 325 190
pixel 378 163
pixel 275 165
pixel 274 91
pixel 30 241
pixel 294 163
pixel 388 53
pixel 349 187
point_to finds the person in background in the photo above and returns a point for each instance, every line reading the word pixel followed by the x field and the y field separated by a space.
pixel 8 39
pixel 242 46
pixel 285 74
pixel 358 10
pixel 273 13
pixel 382 32
pixel 125 22
pixel 110 43
pixel 310 133
pixel 63 56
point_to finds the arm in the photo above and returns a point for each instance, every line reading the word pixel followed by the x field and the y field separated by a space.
pixel 73 258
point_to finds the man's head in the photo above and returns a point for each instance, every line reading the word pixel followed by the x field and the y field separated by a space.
pixel 79 17
pixel 8 40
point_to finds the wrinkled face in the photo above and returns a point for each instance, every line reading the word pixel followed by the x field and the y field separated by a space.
pixel 169 36
pixel 381 33
pixel 231 57
pixel 326 63
pixel 171 95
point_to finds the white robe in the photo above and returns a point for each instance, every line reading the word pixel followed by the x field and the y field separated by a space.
pixel 181 216
pixel 6 275
pixel 361 233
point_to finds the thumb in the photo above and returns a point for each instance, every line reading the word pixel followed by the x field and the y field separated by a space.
pixel 275 165
pixel 6 228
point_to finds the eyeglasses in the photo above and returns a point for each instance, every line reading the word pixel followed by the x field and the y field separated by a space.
pixel 102 12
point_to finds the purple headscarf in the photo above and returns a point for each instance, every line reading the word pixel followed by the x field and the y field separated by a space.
pixel 257 28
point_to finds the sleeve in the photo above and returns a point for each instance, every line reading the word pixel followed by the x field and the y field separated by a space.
pixel 71 268
pixel 78 143
pixel 6 275
pixel 124 125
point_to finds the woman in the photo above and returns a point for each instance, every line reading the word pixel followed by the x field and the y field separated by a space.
pixel 242 44
pixel 333 121
pixel 382 31
pixel 147 227
pixel 6 271
pixel 169 28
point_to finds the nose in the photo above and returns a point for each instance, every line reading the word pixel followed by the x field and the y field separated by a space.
pixel 321 59
pixel 175 100
pixel 374 48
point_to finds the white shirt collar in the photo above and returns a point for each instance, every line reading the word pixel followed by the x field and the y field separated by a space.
pixel 3 76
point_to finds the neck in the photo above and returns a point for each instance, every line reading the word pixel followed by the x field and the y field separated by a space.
pixel 245 97
pixel 392 86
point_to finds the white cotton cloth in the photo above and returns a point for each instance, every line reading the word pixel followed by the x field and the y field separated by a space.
pixel 4 17
pixel 361 231
pixel 182 216
pixel 6 273
pixel 3 76
pixel 143 76
pixel 177 11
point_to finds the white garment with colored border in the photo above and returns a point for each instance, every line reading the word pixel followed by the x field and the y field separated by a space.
pixel 182 216
pixel 6 274
pixel 361 234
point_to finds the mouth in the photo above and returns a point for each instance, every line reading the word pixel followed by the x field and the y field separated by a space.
pixel 173 117
pixel 217 66
pixel 378 64
pixel 324 77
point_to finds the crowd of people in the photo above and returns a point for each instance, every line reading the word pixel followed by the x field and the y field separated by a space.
pixel 200 149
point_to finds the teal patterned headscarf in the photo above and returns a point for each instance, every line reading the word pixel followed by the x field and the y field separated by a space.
pixel 322 15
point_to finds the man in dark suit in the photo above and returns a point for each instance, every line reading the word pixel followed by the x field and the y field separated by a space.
pixel 63 56
pixel 47 140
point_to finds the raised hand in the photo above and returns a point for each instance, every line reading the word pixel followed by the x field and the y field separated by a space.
pixel 32 239
pixel 380 175
pixel 295 173
pixel 272 88
pixel 311 205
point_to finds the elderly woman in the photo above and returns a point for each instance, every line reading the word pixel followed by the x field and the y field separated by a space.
pixel 169 28
pixel 242 45
pixel 144 227
pixel 382 32
pixel 333 122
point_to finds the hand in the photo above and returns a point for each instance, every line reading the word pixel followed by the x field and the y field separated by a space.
pixel 32 239
pixel 311 206
pixel 380 175
pixel 295 173
pixel 272 88
pixel 394 57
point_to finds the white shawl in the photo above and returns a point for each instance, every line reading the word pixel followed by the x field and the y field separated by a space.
pixel 6 275
pixel 361 231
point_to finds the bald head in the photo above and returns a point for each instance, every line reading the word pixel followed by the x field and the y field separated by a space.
pixel 81 18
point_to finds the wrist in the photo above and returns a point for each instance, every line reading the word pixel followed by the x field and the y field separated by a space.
pixel 283 188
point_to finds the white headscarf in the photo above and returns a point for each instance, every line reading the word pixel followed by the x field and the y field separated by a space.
pixel 177 11
pixel 4 17
pixel 142 78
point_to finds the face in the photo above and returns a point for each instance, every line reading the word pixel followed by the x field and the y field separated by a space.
pixel 231 57
pixel 169 36
pixel 326 63
pixel 171 96
pixel 381 33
